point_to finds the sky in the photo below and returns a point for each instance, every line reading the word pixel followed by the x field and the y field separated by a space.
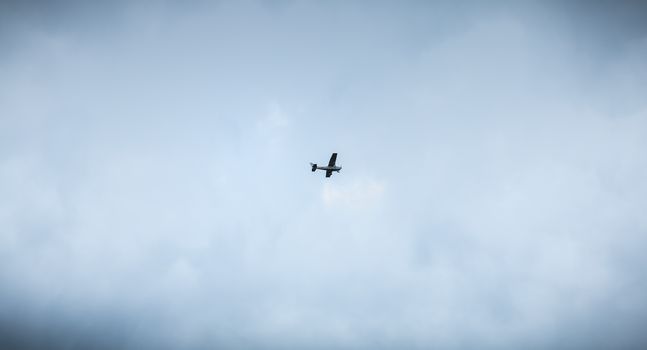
pixel 155 191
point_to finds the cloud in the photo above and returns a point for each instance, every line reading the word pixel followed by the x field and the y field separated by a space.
pixel 155 189
pixel 359 195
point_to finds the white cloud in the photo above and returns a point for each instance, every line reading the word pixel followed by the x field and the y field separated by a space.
pixel 356 195
pixel 492 192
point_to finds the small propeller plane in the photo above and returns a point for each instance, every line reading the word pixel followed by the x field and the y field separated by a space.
pixel 329 168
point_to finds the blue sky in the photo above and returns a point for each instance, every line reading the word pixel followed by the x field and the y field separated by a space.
pixel 155 190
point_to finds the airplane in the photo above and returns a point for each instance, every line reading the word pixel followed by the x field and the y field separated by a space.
pixel 329 168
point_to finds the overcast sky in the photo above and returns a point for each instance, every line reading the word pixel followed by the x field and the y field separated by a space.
pixel 155 190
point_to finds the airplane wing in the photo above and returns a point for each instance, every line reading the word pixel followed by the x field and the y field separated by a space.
pixel 328 173
pixel 333 159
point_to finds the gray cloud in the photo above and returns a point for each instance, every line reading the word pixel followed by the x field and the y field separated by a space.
pixel 154 187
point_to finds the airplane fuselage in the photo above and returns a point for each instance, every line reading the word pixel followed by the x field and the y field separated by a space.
pixel 331 168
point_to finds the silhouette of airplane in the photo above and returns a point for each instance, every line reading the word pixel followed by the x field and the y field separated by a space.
pixel 329 168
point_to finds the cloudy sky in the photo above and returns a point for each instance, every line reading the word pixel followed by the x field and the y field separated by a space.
pixel 155 190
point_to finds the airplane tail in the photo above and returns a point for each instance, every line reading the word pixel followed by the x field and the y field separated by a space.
pixel 314 166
